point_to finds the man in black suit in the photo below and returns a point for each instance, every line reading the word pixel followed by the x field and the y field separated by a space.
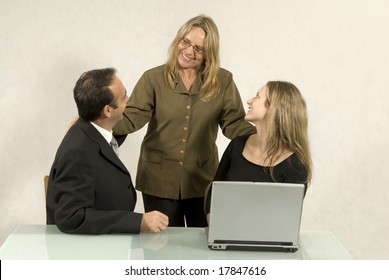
pixel 90 190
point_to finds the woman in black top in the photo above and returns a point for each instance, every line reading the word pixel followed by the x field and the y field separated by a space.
pixel 279 151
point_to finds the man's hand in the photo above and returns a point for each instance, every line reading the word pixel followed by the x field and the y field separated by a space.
pixel 154 221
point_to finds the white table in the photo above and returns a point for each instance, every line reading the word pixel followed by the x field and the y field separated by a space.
pixel 28 242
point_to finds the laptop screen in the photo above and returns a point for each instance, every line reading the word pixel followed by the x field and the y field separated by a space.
pixel 255 213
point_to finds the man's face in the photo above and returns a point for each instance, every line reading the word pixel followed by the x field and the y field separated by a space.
pixel 120 98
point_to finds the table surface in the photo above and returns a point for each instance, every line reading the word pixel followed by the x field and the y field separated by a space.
pixel 43 242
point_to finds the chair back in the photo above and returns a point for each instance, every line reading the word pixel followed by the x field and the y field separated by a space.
pixel 46 183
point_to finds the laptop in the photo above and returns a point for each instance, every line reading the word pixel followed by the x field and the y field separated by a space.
pixel 255 216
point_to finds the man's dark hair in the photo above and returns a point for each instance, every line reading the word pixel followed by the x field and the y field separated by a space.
pixel 92 93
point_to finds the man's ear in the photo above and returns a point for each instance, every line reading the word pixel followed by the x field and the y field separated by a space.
pixel 106 112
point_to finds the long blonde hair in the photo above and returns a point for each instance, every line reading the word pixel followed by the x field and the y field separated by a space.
pixel 287 124
pixel 211 64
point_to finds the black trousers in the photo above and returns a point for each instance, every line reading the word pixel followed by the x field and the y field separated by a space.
pixel 181 211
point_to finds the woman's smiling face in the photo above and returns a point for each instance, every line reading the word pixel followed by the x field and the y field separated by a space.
pixel 191 48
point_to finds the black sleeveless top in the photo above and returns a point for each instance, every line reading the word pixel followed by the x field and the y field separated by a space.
pixel 234 166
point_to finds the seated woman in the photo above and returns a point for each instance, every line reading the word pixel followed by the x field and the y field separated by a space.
pixel 279 151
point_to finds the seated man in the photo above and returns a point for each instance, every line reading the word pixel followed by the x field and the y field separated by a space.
pixel 90 190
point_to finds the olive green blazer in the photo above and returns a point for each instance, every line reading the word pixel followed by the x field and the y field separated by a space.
pixel 179 156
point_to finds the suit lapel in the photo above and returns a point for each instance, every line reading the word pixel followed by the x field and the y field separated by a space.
pixel 105 149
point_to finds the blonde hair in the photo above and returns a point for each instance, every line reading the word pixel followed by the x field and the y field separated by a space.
pixel 287 124
pixel 211 63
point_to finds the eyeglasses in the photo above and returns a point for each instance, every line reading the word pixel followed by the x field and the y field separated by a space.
pixel 187 43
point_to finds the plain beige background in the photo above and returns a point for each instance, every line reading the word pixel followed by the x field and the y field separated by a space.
pixel 335 51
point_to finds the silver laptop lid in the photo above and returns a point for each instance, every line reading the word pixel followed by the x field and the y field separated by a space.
pixel 252 212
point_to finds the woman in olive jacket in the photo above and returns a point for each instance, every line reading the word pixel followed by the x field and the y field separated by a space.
pixel 184 102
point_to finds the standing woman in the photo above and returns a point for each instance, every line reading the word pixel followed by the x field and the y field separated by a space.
pixel 279 151
pixel 184 102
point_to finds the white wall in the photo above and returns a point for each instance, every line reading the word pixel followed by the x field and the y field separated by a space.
pixel 335 51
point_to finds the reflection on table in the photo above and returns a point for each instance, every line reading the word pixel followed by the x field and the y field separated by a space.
pixel 47 242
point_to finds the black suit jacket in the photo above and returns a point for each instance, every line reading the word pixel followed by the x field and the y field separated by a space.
pixel 90 190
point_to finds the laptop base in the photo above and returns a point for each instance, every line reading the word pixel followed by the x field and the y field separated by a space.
pixel 241 247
